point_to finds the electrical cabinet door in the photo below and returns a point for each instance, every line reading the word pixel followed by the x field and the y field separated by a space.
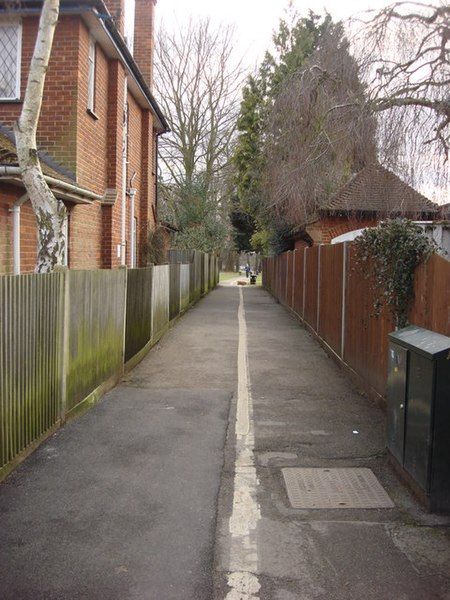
pixel 418 442
pixel 396 400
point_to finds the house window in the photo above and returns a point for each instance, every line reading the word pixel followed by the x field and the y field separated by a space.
pixel 10 55
pixel 91 77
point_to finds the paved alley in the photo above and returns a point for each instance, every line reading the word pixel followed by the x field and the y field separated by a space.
pixel 173 487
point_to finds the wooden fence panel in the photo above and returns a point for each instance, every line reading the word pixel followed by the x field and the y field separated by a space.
pixel 311 281
pixel 31 312
pixel 96 330
pixel 180 256
pixel 289 278
pixel 185 275
pixel 330 306
pixel 174 290
pixel 212 272
pixel 160 300
pixel 298 281
pixel 195 286
pixel 346 320
pixel 281 277
pixel 138 328
pixel 431 308
pixel 205 274
pixel 366 335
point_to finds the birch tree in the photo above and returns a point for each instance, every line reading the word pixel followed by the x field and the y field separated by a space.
pixel 50 212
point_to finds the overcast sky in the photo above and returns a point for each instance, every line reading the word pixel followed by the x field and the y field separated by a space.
pixel 253 20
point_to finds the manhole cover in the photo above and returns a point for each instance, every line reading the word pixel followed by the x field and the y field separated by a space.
pixel 334 488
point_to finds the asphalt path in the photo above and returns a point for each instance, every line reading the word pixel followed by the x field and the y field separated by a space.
pixel 171 488
pixel 121 503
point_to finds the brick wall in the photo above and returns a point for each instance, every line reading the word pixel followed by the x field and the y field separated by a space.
pixel 134 166
pixel 85 232
pixel 143 37
pixel 88 144
pixel 112 215
pixel 28 238
pixel 117 11
pixel 58 124
pixel 92 130
pixel 8 195
pixel 327 228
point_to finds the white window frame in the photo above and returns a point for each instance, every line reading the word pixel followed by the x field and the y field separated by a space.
pixel 91 75
pixel 17 24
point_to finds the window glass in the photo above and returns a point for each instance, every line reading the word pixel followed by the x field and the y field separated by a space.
pixel 10 54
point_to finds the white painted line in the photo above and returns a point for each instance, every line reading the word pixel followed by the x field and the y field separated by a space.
pixel 243 562
pixel 242 416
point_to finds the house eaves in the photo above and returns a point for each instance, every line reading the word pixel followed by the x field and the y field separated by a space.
pixel 60 180
pixel 102 27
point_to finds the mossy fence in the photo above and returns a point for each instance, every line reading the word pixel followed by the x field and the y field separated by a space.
pixel 67 337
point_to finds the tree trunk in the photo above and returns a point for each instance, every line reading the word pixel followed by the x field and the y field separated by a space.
pixel 50 212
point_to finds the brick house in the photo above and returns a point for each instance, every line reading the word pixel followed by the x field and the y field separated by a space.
pixel 373 194
pixel 97 134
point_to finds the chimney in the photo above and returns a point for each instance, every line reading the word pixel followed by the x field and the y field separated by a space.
pixel 117 11
pixel 143 37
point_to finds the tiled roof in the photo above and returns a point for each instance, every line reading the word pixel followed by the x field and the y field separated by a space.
pixel 378 190
pixel 8 157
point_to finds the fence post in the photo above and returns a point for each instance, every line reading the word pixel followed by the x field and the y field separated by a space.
pixel 304 282
pixel 344 288
pixel 293 280
pixel 319 264
pixel 124 328
pixel 64 336
pixel 287 278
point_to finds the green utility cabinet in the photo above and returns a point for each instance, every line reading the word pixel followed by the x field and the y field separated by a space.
pixel 418 410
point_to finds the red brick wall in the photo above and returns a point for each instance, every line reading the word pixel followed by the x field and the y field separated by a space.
pixel 112 215
pixel 92 130
pixel 85 232
pixel 143 38
pixel 28 238
pixel 57 124
pixel 28 246
pixel 6 233
pixel 134 166
pixel 117 11
pixel 327 228
pixel 57 129
pixel 89 145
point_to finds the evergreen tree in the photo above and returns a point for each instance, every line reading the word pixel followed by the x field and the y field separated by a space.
pixel 294 42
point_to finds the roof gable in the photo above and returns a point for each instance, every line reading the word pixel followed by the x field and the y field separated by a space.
pixel 377 190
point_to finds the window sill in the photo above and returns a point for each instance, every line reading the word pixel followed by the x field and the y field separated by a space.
pixel 92 114
pixel 11 101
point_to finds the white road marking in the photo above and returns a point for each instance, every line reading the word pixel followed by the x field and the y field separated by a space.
pixel 243 563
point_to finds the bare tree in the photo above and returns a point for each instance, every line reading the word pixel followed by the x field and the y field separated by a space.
pixel 198 83
pixel 50 212
pixel 404 51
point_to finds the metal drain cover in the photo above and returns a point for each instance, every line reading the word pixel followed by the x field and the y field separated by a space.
pixel 334 488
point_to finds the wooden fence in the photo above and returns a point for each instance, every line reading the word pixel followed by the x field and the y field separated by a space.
pixel 66 337
pixel 324 287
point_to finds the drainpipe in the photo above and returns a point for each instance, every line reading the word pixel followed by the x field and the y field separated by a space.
pixel 124 175
pixel 132 194
pixel 156 171
pixel 16 233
